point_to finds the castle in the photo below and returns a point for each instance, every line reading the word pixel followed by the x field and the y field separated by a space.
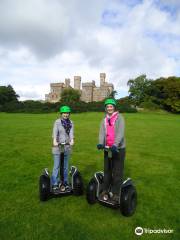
pixel 89 91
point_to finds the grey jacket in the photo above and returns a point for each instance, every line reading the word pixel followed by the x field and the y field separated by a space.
pixel 61 136
pixel 119 132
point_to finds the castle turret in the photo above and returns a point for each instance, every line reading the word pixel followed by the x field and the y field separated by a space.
pixel 77 82
pixel 87 91
pixel 102 79
pixel 67 82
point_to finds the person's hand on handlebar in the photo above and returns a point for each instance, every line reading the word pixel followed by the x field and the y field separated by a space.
pixel 100 146
pixel 114 149
pixel 55 143
pixel 71 142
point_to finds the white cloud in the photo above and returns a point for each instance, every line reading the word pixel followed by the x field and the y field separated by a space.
pixel 46 41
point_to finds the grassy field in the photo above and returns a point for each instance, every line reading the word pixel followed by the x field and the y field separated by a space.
pixel 152 161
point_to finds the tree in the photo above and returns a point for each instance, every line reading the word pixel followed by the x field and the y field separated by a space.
pixel 138 89
pixel 7 94
pixel 70 95
pixel 112 94
pixel 166 92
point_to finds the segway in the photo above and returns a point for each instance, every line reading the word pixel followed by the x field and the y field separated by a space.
pixel 127 198
pixel 75 187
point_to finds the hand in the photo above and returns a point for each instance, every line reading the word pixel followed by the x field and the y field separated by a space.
pixel 55 143
pixel 100 146
pixel 72 142
pixel 114 149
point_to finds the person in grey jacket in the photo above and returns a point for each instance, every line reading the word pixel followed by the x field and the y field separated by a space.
pixel 111 134
pixel 63 132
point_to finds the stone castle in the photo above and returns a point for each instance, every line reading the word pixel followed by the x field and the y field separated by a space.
pixel 89 91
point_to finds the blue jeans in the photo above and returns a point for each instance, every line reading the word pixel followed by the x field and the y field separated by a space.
pixel 54 178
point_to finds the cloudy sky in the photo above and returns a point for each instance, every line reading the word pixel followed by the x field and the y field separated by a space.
pixel 43 41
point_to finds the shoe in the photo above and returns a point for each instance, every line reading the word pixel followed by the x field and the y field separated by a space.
pixel 104 196
pixel 66 185
pixel 115 198
pixel 62 188
pixel 55 188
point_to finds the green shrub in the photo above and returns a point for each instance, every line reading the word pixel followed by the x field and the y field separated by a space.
pixel 31 106
pixel 150 105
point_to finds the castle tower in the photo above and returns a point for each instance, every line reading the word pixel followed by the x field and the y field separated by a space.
pixel 77 82
pixel 67 82
pixel 102 79
pixel 87 91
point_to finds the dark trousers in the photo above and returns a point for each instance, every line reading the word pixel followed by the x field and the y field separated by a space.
pixel 113 170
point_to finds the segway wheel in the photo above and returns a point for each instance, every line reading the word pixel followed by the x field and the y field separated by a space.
pixel 78 185
pixel 44 187
pixel 91 192
pixel 128 201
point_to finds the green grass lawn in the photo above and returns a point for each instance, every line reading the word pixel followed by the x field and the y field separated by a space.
pixel 152 161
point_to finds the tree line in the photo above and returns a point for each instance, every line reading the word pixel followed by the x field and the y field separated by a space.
pixel 161 93
pixel 9 103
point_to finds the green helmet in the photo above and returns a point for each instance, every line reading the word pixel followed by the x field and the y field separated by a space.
pixel 65 109
pixel 110 101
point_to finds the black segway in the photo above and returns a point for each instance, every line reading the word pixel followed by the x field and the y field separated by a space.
pixel 75 187
pixel 127 199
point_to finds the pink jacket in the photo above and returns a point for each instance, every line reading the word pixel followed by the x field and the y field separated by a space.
pixel 110 128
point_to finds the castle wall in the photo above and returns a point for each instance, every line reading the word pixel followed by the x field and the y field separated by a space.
pixel 100 93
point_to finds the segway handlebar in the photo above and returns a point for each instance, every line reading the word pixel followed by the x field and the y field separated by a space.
pixel 108 148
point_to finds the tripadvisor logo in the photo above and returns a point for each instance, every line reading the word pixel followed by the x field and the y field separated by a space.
pixel 139 231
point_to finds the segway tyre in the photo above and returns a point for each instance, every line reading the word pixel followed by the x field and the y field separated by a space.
pixel 128 201
pixel 91 192
pixel 44 187
pixel 78 185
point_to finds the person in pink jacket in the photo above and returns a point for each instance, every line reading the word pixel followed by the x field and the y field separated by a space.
pixel 111 135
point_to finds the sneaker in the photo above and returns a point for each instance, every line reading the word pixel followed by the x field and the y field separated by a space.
pixel 62 188
pixel 104 196
pixel 115 198
pixel 66 186
pixel 55 187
